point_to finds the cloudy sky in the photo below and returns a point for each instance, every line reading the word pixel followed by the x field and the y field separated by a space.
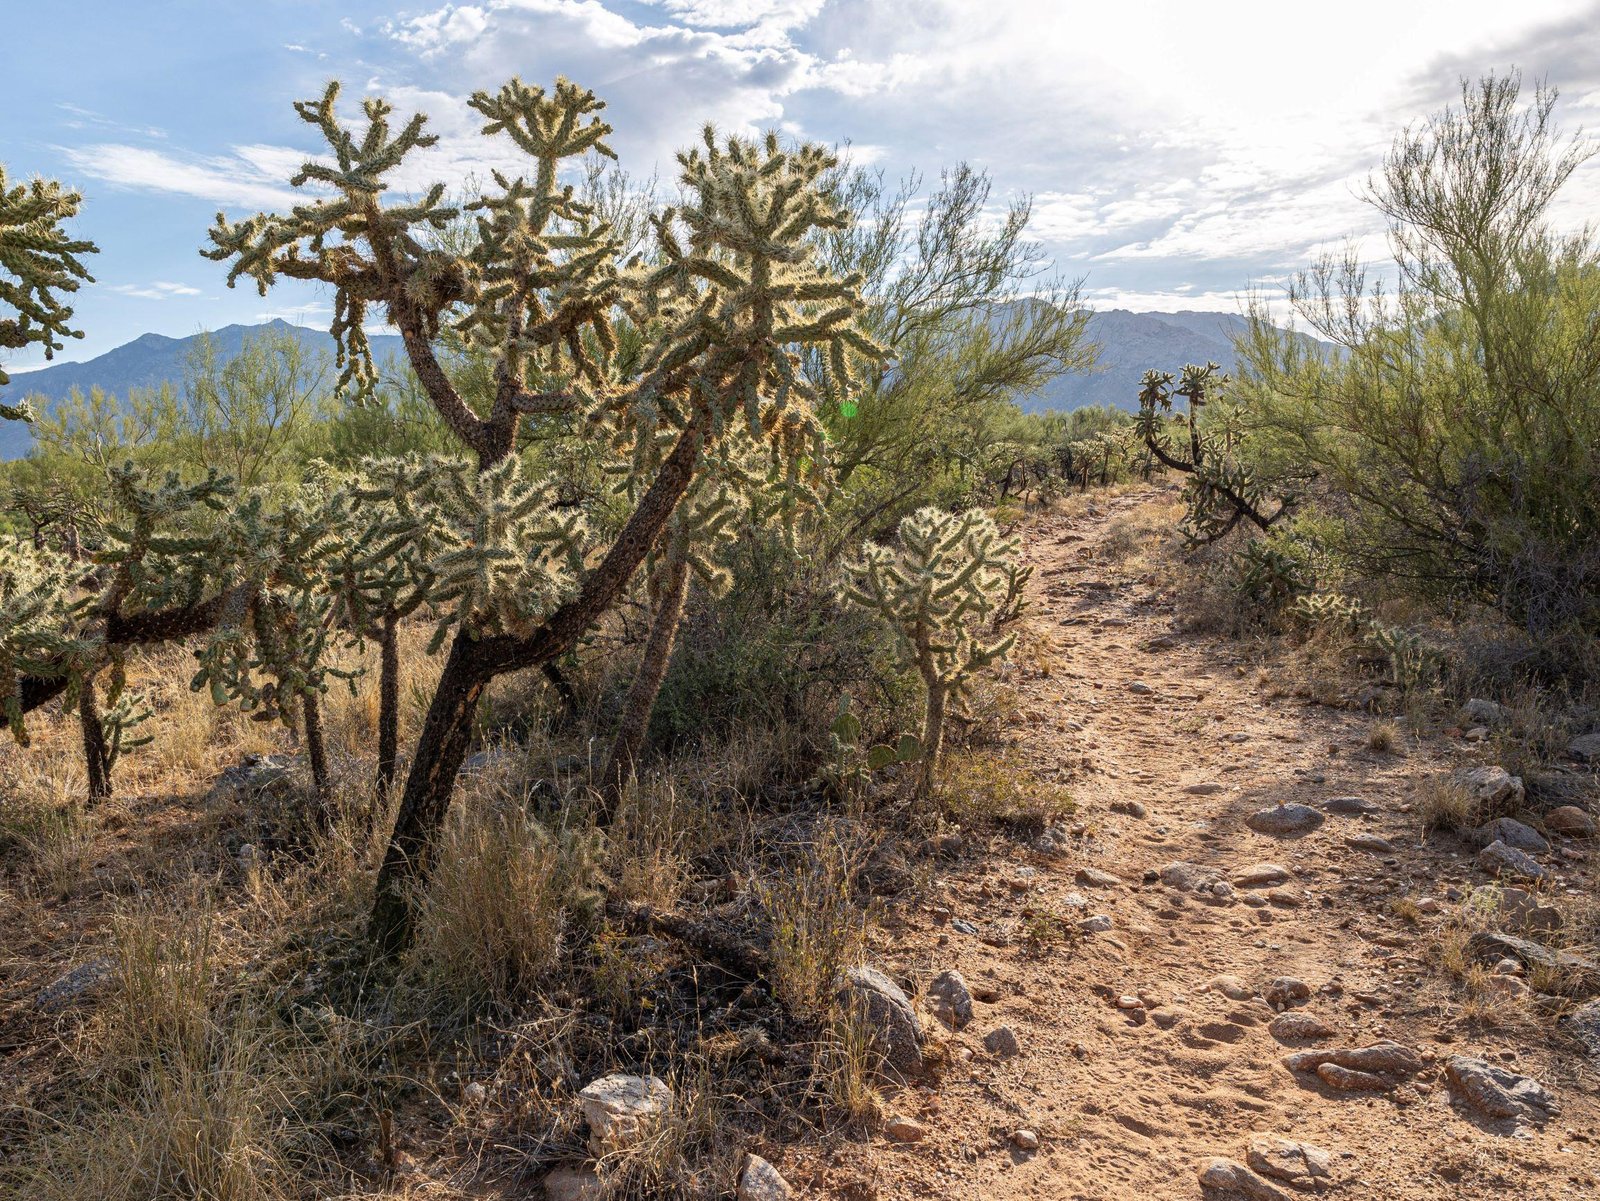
pixel 1178 153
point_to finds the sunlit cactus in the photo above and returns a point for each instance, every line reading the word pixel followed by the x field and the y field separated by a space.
pixel 730 291
pixel 38 263
pixel 939 591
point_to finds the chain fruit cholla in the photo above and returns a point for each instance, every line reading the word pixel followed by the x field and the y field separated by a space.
pixel 939 591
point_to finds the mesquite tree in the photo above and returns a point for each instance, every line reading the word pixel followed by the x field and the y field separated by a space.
pixel 37 261
pixel 730 294
pixel 1221 491
pixel 940 591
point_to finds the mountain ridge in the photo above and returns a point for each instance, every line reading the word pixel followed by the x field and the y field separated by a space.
pixel 1131 343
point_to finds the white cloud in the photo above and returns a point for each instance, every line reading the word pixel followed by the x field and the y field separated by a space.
pixel 229 181
pixel 160 290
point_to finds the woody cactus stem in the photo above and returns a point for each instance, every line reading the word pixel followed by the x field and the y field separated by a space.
pixel 388 708
pixel 96 755
pixel 629 740
pixel 317 753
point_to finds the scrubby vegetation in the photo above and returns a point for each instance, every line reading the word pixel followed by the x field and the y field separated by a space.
pixel 543 704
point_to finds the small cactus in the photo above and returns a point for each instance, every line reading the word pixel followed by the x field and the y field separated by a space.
pixel 939 592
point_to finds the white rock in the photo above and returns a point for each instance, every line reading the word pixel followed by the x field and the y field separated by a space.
pixel 622 1109
pixel 760 1181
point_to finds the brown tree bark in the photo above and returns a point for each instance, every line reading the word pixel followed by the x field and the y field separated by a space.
pixel 388 709
pixel 96 755
pixel 629 740
pixel 317 752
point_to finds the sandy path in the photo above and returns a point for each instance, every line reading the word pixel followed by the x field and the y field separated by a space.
pixel 1129 1103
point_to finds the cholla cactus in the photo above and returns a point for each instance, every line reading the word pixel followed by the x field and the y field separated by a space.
pixel 1220 491
pixel 939 592
pixel 37 261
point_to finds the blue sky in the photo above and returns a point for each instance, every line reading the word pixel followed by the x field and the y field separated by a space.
pixel 1178 153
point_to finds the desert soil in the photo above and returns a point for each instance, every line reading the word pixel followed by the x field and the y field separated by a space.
pixel 1133 1102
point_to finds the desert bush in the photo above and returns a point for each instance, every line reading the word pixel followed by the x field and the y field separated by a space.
pixel 1455 416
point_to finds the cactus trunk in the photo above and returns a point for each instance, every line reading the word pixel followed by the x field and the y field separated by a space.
pixel 317 752
pixel 629 740
pixel 96 756
pixel 932 734
pixel 388 709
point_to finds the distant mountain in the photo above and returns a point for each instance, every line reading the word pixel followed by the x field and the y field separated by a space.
pixel 147 362
pixel 1130 345
pixel 1133 343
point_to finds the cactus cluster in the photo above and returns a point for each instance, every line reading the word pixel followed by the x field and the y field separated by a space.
pixel 939 591
pixel 1220 491
pixel 39 262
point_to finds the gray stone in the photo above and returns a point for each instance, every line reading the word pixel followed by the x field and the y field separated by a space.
pixel 1140 688
pixel 622 1110
pixel 888 1016
pixel 1348 806
pixel 1188 877
pixel 1294 1162
pixel 1098 924
pixel 1494 787
pixel 1285 821
pixel 1512 908
pixel 1488 947
pixel 1093 877
pixel 1261 875
pixel 1286 990
pixel 1230 1176
pixel 950 1000
pixel 88 979
pixel 760 1181
pixel 1203 788
pixel 1571 821
pixel 1497 1093
pixel 1586 749
pixel 1129 808
pixel 1500 860
pixel 1002 1041
pixel 1511 832
pixel 1479 712
pixel 1299 1028
pixel 1583 1023
pixel 1232 987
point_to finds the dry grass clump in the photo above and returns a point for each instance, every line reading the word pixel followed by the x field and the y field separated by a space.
pixel 186 1089
pixel 818 930
pixel 1443 803
pixel 996 785
pixel 1384 737
pixel 495 916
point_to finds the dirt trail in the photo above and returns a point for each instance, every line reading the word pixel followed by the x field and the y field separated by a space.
pixel 1131 1102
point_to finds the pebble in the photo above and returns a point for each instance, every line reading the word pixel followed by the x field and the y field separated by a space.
pixel 1232 987
pixel 1093 877
pixel 1098 924
pixel 1129 808
pixel 1498 859
pixel 1129 1002
pixel 1370 843
pixel 1261 875
pixel 1285 821
pixel 1002 1041
pixel 1298 1027
pixel 904 1130
pixel 1284 991
pixel 1204 788
pixel 760 1181
pixel 1025 1139
pixel 1513 833
pixel 1297 1163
